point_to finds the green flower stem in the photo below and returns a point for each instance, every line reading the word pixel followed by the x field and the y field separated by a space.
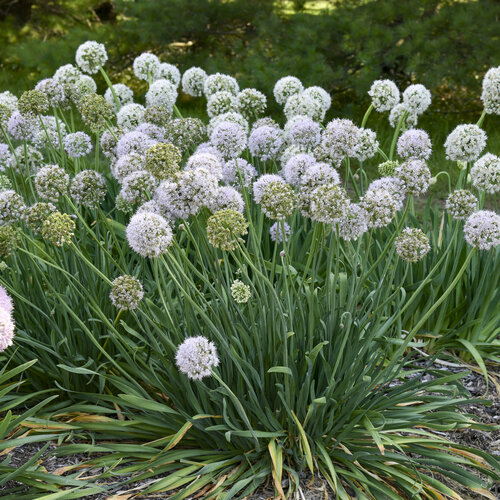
pixel 481 118
pixel 367 114
pixel 396 134
pixel 110 86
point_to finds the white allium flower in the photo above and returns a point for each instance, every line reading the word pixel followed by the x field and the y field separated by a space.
pixel 124 94
pixel 208 147
pixel 138 187
pixel 12 207
pixel 153 207
pixel 127 164
pixel 51 182
pixel 205 160
pixel 329 203
pixel 50 133
pixel 303 104
pixel 21 127
pixel 266 142
pixel 276 231
pixel 54 91
pixel 126 292
pixel 9 101
pixel 341 138
pixel 130 116
pixel 28 156
pixel 482 230
pixel 465 143
pixel 412 244
pixel 219 82
pixel 162 93
pixel 169 72
pixel 149 234
pixel 321 96
pixel 461 203
pixel 286 87
pixel 354 223
pixel 90 56
pixel 88 188
pixel 318 174
pixel 295 168
pixel 368 144
pixel 396 115
pixel 67 74
pixel 394 185
pixel 7 328
pixel 133 142
pixel 226 197
pixel 266 120
pixel 380 206
pixel 146 66
pixel 416 176
pixel 491 91
pixel 228 117
pixel 77 144
pixel 5 300
pixel 169 201
pixel 240 292
pixel 108 142
pixel 304 132
pixel 417 98
pixel 277 200
pixel 196 357
pixel 221 102
pixel 290 151
pixel 237 168
pixel 415 143
pixel 153 131
pixel 251 103
pixel 229 139
pixel 7 159
pixel 485 173
pixel 82 86
pixel 193 81
pixel 262 182
pixel 385 95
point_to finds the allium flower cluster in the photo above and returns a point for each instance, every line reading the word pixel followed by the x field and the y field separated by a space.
pixel 341 138
pixel 126 292
pixel 304 132
pixel 329 203
pixel 123 93
pixel 461 203
pixel 96 112
pixel 185 133
pixel 385 95
pixel 54 91
pixel 240 292
pixel 228 117
pixel 7 325
pixel 321 96
pixel 286 87
pixel 88 188
pixel 8 104
pixel 138 187
pixel 21 127
pixel 153 131
pixel 158 115
pixel 229 139
pixel 415 175
pixel 221 102
pixel 83 85
pixel 133 142
pixel 354 223
pixel 50 132
pixel 146 66
pixel 226 197
pixel 296 167
pixel 237 172
pixel 412 244
pixel 6 158
pixel 491 91
pixel 226 228
pixel 219 82
pixel 90 56
pixel 415 143
pixel 28 156
pixel 196 357
pixel 482 230
pixel 58 228
pixel 33 103
pixel 277 229
pixel 485 173
pixel 304 105
pixel 417 98
pixel 394 185
pixel 387 168
pixel 130 116
pixel 12 207
pixel 266 142
pixel 380 205
pixel 163 160
pixel 5 183
pixel 397 113
pixel 208 161
pixel 108 142
pixel 77 145
pixel 368 144
pixel 168 72
pixel 251 103
pixel 162 93
pixel 9 240
pixel 149 234
pixel 277 200
pixel 67 74
pixel 51 182
pixel 465 143
pixel 193 81
pixel 127 164
pixel 36 215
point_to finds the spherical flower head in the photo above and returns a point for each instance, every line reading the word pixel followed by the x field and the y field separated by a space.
pixel 491 91
pixel 22 127
pixel 133 142
pixel 341 138
pixel 368 144
pixel 126 165
pixel 277 200
pixel 7 159
pixel 130 116
pixel 276 231
pixel 290 151
pixel 58 229
pixel 170 201
pixel 168 72
pixel 149 234
pixel 193 81
pixel 126 292
pixel 354 223
pixel 226 228
pixel 12 207
pixel 54 91
pixel 461 203
pixel 380 205
pixel 90 56
pixel 162 93
pixel 286 87
pixel 37 213
pixel 231 116
pixel 9 240
pixel 123 93
pixel 318 174
pixel 398 112
pixel 159 115
pixel 412 244
pixel 163 160
pixel 415 175
pixel 5 183
pixel 417 98
pixel 208 161
pixel 387 168
pixel 296 167
pixel 266 120
pixel 50 133
pixel 321 96
pixel 226 197
pixel 229 139
pixel 51 182
pixel 8 104
pixel 67 74
pixel 329 203
pixel 33 103
pixel 238 172
pixel 7 327
pixel 88 188
pixel 262 182
pixel 77 145
pixel 385 95
pixel 485 173
pixel 95 111
pixel 146 66
pixel 240 292
pixel 83 85
pixel 394 185
pixel 251 103
pixel 28 155
pixel 465 143
pixel 415 143
pixel 219 82
pixel 266 142
pixel 304 132
pixel 123 205
pixel 482 230
pixel 185 133
pixel 108 142
pixel 138 187
pixel 221 102
pixel 5 300
pixel 196 357
pixel 305 105
pixel 153 131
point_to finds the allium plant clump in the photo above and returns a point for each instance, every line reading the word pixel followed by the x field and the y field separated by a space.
pixel 227 302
